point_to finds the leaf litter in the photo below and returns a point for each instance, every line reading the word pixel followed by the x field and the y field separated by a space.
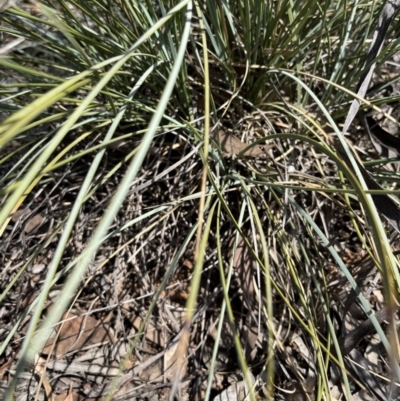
pixel 91 345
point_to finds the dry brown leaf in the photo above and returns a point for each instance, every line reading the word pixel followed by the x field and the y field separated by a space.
pixel 66 397
pixel 4 368
pixel 34 222
pixel 152 333
pixel 69 395
pixel 233 146
pixel 179 296
pixel 41 371
pixel 76 333
pixel 20 212
pixel 236 391
pixel 172 361
pixel 153 373
pixel 188 264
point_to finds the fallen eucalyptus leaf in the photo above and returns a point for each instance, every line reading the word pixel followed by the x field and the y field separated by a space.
pixel 233 146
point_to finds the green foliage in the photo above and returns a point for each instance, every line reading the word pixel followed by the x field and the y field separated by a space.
pixel 91 74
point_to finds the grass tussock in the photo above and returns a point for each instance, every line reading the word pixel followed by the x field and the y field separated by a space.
pixel 177 218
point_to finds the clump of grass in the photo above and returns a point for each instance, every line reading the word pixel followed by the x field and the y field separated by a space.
pixel 110 143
